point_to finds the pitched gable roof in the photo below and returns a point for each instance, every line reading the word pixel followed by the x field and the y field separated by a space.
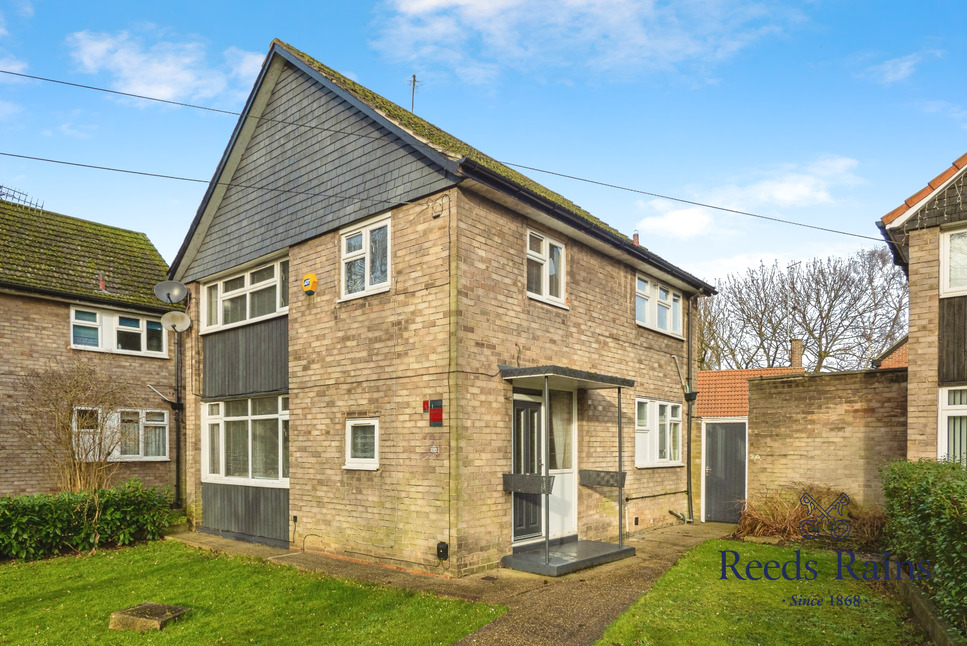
pixel 926 192
pixel 896 356
pixel 940 201
pixel 725 393
pixel 450 153
pixel 47 253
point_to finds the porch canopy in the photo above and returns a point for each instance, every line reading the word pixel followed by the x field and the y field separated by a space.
pixel 581 554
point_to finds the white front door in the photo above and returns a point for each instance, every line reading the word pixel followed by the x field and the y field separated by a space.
pixel 558 432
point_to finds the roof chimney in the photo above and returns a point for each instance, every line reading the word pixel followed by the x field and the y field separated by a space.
pixel 635 239
pixel 795 353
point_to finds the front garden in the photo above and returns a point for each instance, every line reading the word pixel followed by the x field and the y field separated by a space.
pixel 233 600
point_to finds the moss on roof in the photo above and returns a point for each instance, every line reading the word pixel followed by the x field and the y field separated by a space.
pixel 438 138
pixel 53 253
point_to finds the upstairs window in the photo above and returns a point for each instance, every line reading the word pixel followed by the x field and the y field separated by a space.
pixel 545 268
pixel 256 294
pixel 657 307
pixel 953 263
pixel 117 332
pixel 365 258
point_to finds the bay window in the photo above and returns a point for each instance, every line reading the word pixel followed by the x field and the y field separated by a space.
pixel 246 441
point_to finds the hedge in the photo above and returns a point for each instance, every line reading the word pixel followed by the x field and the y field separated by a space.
pixel 35 527
pixel 926 507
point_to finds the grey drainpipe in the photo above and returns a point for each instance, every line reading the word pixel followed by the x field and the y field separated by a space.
pixel 546 436
pixel 690 403
pixel 621 515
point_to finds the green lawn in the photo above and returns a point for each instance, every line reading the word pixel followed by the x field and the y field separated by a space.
pixel 691 604
pixel 69 600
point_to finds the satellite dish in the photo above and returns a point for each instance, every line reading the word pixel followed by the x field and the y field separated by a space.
pixel 176 321
pixel 170 291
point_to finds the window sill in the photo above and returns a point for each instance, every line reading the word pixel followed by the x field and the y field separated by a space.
pixel 211 329
pixel 126 353
pixel 364 293
pixel 543 299
pixel 674 335
pixel 247 482
pixel 135 458
pixel 661 465
pixel 360 467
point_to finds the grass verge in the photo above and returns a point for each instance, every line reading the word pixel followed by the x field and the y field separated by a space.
pixel 68 600
pixel 691 604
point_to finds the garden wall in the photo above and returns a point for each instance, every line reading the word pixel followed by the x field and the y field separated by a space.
pixel 833 429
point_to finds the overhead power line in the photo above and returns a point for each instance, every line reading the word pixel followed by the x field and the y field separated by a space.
pixel 369 136
pixel 195 180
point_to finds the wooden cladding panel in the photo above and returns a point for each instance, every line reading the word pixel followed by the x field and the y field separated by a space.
pixel 247 360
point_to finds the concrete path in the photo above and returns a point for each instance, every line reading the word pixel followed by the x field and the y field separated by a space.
pixel 573 609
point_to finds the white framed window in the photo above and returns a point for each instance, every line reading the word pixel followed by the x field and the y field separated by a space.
pixel 89 434
pixel 953 263
pixel 362 444
pixel 658 433
pixel 952 431
pixel 257 293
pixel 545 268
pixel 365 265
pixel 642 300
pixel 657 306
pixel 117 332
pixel 246 441
pixel 123 436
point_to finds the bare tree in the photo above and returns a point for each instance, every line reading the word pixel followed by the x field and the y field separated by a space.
pixel 69 409
pixel 846 310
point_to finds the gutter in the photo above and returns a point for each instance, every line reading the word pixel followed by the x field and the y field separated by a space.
pixel 81 299
pixel 484 175
pixel 898 258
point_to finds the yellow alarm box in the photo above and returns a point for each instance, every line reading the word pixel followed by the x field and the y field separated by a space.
pixel 309 284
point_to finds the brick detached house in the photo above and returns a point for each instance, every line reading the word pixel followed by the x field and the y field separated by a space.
pixel 405 352
pixel 928 237
pixel 69 287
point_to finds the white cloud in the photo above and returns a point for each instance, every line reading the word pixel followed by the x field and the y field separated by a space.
pixel 3 26
pixel 8 109
pixel 614 36
pixel 771 192
pixel 13 65
pixel 898 69
pixel 245 65
pixel 165 69
pixel 675 223
pixel 947 109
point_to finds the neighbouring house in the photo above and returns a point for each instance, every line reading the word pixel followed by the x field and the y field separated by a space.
pixel 70 287
pixel 928 237
pixel 720 462
pixel 896 356
pixel 405 352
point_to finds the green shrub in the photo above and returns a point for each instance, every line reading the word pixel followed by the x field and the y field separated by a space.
pixel 926 507
pixel 33 527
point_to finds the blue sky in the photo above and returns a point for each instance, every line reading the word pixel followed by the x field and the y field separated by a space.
pixel 825 112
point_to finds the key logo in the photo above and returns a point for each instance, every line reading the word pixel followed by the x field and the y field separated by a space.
pixel 811 527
